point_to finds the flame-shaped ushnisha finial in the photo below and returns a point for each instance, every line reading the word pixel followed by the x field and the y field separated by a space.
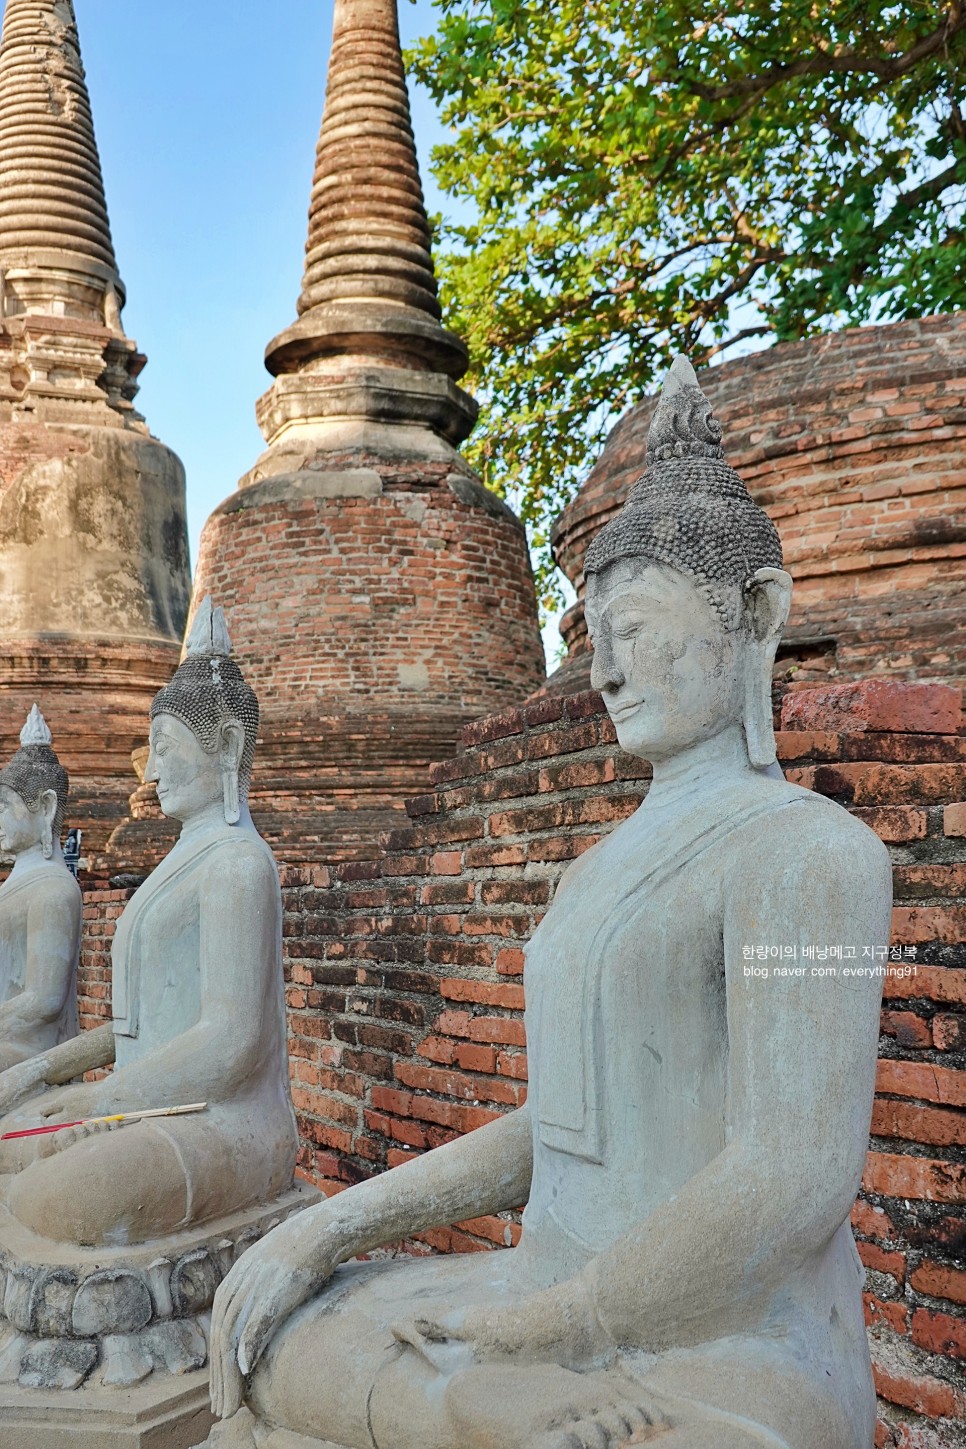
pixel 683 425
pixel 209 633
pixel 35 731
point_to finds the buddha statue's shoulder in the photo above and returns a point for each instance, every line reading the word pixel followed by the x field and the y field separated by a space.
pixel 803 825
pixel 239 857
pixel 47 887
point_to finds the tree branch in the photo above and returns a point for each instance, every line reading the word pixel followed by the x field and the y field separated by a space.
pixel 846 62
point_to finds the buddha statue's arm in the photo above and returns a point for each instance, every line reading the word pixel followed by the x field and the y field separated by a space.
pixel 53 936
pixel 486 1171
pixel 801 1074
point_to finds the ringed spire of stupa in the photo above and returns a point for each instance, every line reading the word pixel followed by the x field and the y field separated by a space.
pixel 368 233
pixel 368 348
pixel 53 213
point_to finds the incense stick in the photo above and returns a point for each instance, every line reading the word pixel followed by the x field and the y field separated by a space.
pixel 114 1117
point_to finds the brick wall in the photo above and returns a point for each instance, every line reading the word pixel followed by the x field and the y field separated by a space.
pixel 853 443
pixel 405 993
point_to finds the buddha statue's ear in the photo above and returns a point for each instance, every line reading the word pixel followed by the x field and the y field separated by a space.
pixel 767 599
pixel 231 752
pixel 47 805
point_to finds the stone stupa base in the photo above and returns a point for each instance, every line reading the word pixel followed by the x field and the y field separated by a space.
pixel 107 1348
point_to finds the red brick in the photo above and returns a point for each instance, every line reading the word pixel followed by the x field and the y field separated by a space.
pixel 509 961
pixel 954 820
pixel 921 1394
pixel 923 1080
pixel 939 1332
pixel 939 1281
pixel 937 983
pixel 932 1125
pixel 891 1315
pixel 907 1028
pixel 872 1221
pixel 921 1178
pixel 484 992
pixel 446 862
pixel 512 1064
pixel 949 1032
pixel 874 704
pixel 882 1261
pixel 474 1058
pixel 915 925
pixel 895 824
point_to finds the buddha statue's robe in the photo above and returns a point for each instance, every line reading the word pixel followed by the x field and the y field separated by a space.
pixel 642 1069
pixel 41 915
pixel 199 1015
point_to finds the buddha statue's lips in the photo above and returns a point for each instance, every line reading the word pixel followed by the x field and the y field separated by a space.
pixel 619 711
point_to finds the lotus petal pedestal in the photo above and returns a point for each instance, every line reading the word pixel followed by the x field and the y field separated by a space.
pixel 107 1348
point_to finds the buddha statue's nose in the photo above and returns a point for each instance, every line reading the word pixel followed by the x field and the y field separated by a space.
pixel 605 673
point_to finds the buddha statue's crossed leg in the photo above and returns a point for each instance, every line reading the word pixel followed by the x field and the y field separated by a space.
pixel 130 1181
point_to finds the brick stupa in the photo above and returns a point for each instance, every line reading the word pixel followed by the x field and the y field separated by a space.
pixel 94 578
pixel 379 596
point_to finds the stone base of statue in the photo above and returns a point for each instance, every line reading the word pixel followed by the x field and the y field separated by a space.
pixel 162 1413
pixel 107 1348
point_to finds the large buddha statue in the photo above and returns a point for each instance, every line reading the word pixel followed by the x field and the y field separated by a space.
pixel 135 1224
pixel 41 908
pixel 695 1131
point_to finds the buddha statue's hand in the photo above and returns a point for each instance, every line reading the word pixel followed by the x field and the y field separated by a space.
pixel 68 1104
pixel 557 1325
pixel 267 1284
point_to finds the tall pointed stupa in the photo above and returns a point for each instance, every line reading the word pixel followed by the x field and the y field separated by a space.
pixel 379 595
pixel 93 543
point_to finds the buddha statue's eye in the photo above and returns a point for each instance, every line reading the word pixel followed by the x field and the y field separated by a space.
pixel 629 626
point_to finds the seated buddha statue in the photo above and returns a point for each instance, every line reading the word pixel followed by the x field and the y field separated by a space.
pixel 695 1132
pixel 41 908
pixel 198 1004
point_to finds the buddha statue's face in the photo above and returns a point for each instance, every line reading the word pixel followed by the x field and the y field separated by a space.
pixel 670 673
pixel 188 779
pixel 20 827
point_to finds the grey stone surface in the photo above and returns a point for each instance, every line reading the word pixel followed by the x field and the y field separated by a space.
pixel 18 1294
pixel 13 1346
pixel 158 1276
pixel 115 1301
pixel 124 1360
pixel 193 1282
pixel 178 1347
pixel 52 1303
pixel 120 1236
pixel 57 1363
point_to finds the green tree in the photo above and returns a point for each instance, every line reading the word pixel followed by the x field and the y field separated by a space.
pixel 643 178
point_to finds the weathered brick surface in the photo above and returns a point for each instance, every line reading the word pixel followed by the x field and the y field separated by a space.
pixel 373 629
pixel 405 991
pixel 853 443
pixel 876 704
